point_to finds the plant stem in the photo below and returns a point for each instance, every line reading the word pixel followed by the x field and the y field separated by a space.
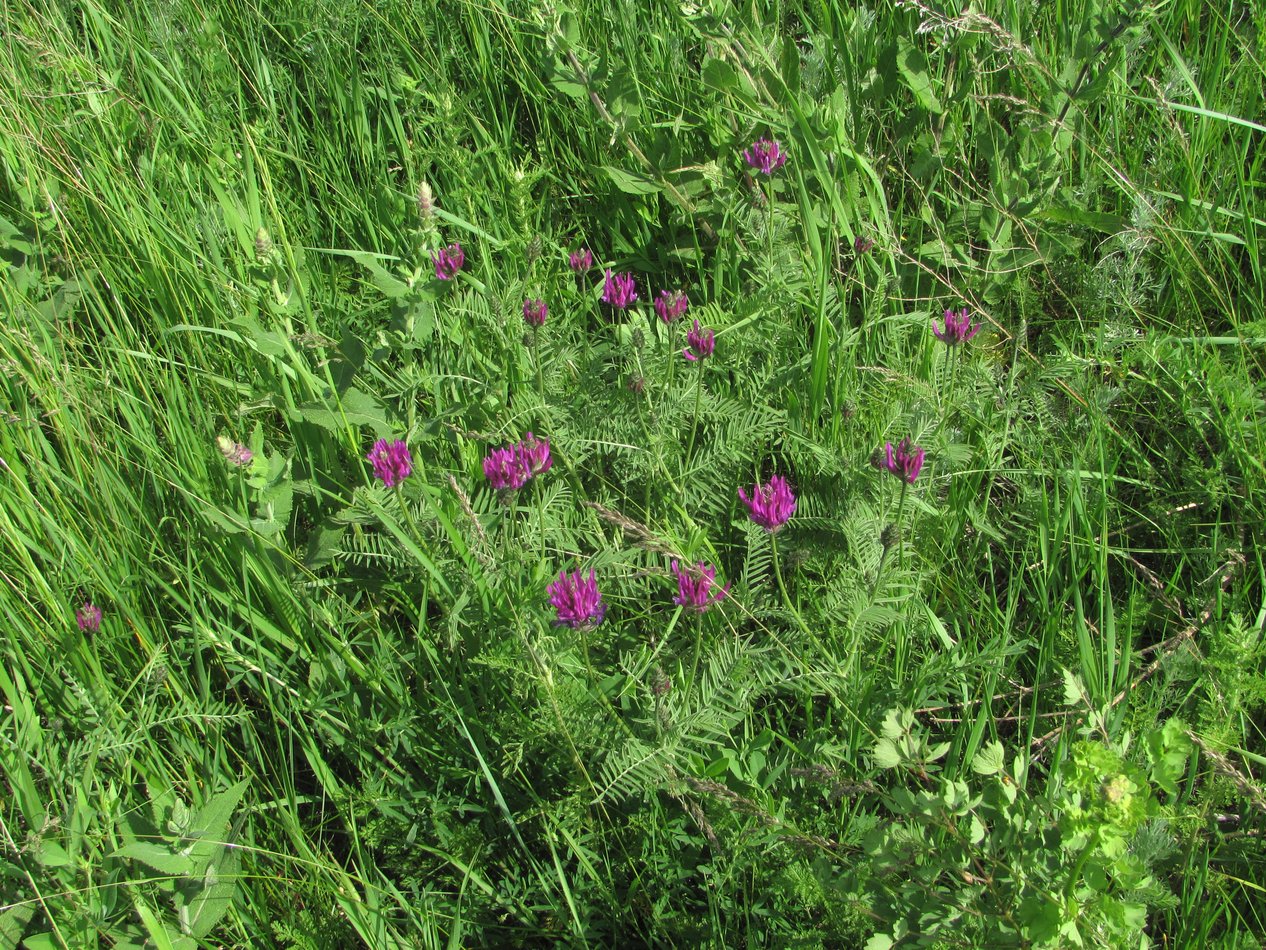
pixel 773 540
pixel 694 424
pixel 901 507
pixel 540 378
pixel 769 229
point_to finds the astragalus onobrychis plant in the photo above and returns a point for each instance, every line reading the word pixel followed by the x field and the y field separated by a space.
pixel 696 474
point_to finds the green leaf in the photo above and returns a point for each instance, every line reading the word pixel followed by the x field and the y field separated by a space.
pixel 720 75
pixel 213 818
pixel 885 754
pixel 913 66
pixel 12 922
pixel 1167 751
pixel 157 856
pixel 1074 691
pixel 356 408
pixel 216 897
pixel 631 183
pixel 990 760
pixel 390 285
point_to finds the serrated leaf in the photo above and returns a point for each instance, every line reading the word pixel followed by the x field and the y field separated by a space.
pixel 990 760
pixel 157 856
pixel 885 754
pixel 1074 691
pixel 212 819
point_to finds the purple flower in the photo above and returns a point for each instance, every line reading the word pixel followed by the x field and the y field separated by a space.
pixel 905 461
pixel 448 262
pixel 862 245
pixel 766 156
pixel 580 261
pixel 534 455
pixel 88 617
pixel 577 600
pixel 504 469
pixel 771 505
pixel 391 461
pixel 512 466
pixel 234 452
pixel 702 342
pixel 534 312
pixel 957 327
pixel 671 304
pixel 695 587
pixel 620 290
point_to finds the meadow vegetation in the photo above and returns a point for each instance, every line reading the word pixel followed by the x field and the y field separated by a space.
pixel 632 474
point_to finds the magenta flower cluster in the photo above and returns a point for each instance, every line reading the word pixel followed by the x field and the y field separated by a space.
pixel 534 312
pixel 955 328
pixel 619 290
pixel 905 461
pixel 448 261
pixel 510 467
pixel 701 343
pixel 696 589
pixel 391 460
pixel 770 505
pixel 766 156
pixel 671 304
pixel 88 617
pixel 580 261
pixel 577 600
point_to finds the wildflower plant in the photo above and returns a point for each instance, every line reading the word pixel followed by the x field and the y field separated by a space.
pixel 619 291
pixel 534 313
pixel 577 600
pixel 509 468
pixel 697 589
pixel 765 156
pixel 671 304
pixel 700 342
pixel 904 461
pixel 580 261
pixel 391 461
pixel 448 261
pixel 770 505
pixel 956 327
pixel 88 617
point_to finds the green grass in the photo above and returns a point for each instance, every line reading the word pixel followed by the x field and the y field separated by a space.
pixel 427 760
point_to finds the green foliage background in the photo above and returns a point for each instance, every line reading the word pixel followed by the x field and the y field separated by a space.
pixel 1018 704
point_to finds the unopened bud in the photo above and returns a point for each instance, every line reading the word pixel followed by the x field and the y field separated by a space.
pixel 426 201
pixel 263 246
